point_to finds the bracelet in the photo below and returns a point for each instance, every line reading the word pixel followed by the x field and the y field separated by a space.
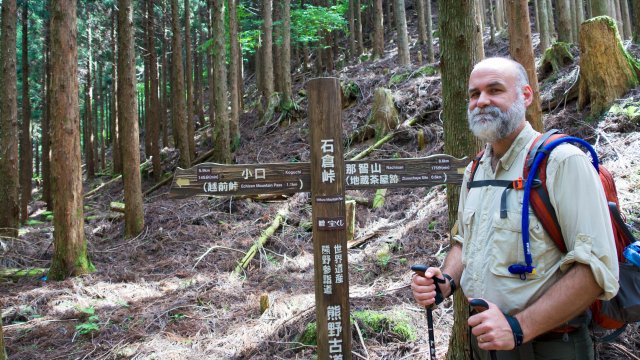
pixel 452 283
pixel 518 336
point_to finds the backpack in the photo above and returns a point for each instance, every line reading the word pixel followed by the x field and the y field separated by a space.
pixel 625 306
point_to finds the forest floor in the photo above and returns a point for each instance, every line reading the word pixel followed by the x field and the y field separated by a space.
pixel 169 293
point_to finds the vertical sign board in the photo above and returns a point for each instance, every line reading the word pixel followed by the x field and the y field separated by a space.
pixel 329 234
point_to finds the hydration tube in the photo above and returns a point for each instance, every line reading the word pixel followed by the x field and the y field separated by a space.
pixel 520 269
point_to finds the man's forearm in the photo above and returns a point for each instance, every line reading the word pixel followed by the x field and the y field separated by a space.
pixel 453 263
pixel 566 299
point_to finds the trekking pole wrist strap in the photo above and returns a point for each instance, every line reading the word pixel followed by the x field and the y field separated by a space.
pixel 516 329
pixel 452 283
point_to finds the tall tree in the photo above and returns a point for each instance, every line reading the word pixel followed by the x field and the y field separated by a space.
pixel 286 95
pixel 46 138
pixel 543 13
pixel 564 21
pixel 127 104
pixel 599 7
pixel 358 28
pixel 70 246
pixel 9 181
pixel 154 101
pixel 115 123
pixel 191 126
pixel 402 35
pixel 422 27
pixel 378 30
pixel 235 71
pixel 222 149
pixel 521 49
pixel 266 58
pixel 26 151
pixel 88 122
pixel 458 49
pixel 178 102
pixel 626 19
pixel 429 19
pixel 636 23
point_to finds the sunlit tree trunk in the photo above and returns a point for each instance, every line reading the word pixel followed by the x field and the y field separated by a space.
pixel 358 28
pixel 235 71
pixel 521 49
pixel 422 27
pixel 222 153
pixel 70 246
pixel 286 99
pixel 115 124
pixel 178 102
pixel 26 151
pixel 564 21
pixel 626 19
pixel 164 74
pixel 599 7
pixel 9 179
pixel 88 125
pixel 458 51
pixel 46 95
pixel 402 35
pixel 191 126
pixel 133 211
pixel 545 40
pixel 378 30
pixel 154 102
pixel 266 59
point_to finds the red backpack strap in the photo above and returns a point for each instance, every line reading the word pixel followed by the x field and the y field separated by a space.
pixel 474 167
pixel 539 200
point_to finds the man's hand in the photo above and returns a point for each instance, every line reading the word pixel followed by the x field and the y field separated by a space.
pixel 424 288
pixel 491 329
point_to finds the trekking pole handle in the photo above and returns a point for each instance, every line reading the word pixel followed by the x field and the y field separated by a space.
pixel 480 305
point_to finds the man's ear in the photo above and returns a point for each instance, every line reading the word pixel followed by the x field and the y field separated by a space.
pixel 527 92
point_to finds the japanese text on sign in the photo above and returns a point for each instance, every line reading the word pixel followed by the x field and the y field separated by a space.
pixel 327 164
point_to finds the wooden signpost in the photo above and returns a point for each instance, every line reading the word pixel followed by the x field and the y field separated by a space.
pixel 327 177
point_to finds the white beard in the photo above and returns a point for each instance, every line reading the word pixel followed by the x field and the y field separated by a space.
pixel 490 124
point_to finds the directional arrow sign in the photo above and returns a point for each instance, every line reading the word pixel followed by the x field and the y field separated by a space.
pixel 211 179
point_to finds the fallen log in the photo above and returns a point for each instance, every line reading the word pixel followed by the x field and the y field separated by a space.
pixel 20 273
pixel 89 194
pixel 264 237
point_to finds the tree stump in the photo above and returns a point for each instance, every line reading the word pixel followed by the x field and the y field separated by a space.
pixel 554 58
pixel 607 71
pixel 384 114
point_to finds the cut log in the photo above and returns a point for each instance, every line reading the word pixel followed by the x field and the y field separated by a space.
pixel 117 206
pixel 607 71
pixel 350 219
pixel 20 273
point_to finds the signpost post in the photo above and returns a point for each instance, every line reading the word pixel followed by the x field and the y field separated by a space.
pixel 327 177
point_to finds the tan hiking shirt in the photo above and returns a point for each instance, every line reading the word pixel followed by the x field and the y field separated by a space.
pixel 490 243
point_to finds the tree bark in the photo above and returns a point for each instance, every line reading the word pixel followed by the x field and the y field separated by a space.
pixel 221 101
pixel 636 22
pixel 9 181
pixel 378 30
pixel 626 19
pixel 402 35
pixel 266 59
pixel 352 29
pixel 164 74
pixel 606 70
pixel 430 52
pixel 286 97
pixel 3 352
pixel 46 138
pixel 178 102
pixel 88 124
pixel 235 72
pixel 115 126
pixel 521 49
pixel 599 7
pixel 70 246
pixel 26 150
pixel 191 126
pixel 422 27
pixel 545 39
pixel 358 28
pixel 154 101
pixel 564 21
pixel 457 56
pixel 134 213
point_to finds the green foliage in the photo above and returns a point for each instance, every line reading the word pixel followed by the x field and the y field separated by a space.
pixel 373 323
pixel 630 110
pixel 401 77
pixel 310 334
pixel 91 324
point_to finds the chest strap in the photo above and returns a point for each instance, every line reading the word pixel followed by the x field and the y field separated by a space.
pixel 517 184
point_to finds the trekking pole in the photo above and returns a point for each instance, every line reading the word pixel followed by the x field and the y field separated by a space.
pixel 420 270
pixel 479 305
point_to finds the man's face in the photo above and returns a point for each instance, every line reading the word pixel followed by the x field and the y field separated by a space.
pixel 496 105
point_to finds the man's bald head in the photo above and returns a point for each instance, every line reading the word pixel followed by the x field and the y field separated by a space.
pixel 505 64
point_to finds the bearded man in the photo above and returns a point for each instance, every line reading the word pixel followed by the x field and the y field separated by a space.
pixel 543 315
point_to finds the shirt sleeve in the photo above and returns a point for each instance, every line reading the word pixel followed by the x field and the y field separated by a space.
pixel 577 195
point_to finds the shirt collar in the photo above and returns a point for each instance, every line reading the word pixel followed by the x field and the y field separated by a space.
pixel 521 141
